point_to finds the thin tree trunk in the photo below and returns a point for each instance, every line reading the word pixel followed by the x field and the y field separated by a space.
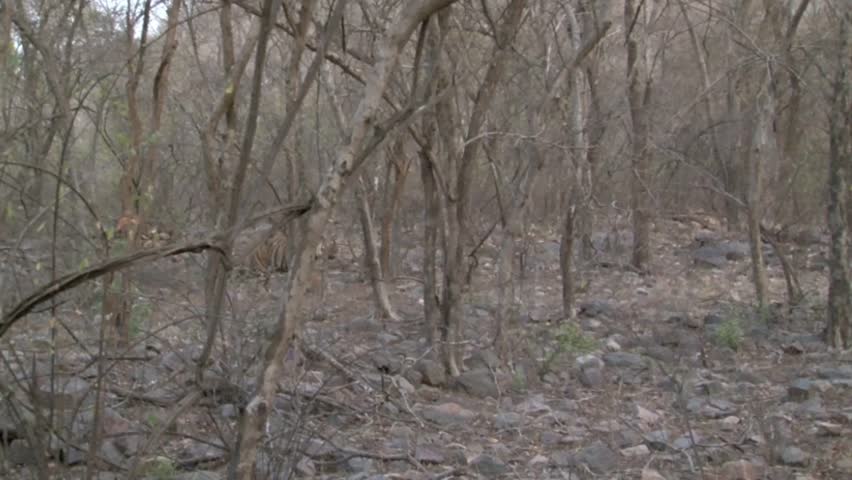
pixel 839 328
pixel 290 319
pixel 757 155
pixel 638 96
pixel 380 291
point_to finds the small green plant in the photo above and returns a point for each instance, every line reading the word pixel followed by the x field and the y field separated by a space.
pixel 160 468
pixel 569 340
pixel 730 334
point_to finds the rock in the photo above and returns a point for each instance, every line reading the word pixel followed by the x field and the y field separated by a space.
pixel 488 466
pixel 686 441
pixel 712 320
pixel 800 390
pixel 742 470
pixel 623 359
pixel 730 422
pixel 651 474
pixel 794 457
pixel 591 377
pixel 534 405
pixel 359 465
pixel 386 363
pixel 612 345
pixel 229 410
pixel 588 361
pixel 429 454
pixel 306 467
pixel 711 407
pixel 637 451
pixel 709 256
pixel 538 460
pixel 595 308
pixel 448 414
pixel 628 438
pixel 835 373
pixel 507 420
pixel 646 416
pixel 598 457
pixel 433 373
pixel 562 459
pixel 478 383
pixel 483 359
pixel 658 439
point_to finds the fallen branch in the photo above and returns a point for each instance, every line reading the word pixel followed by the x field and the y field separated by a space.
pixel 71 280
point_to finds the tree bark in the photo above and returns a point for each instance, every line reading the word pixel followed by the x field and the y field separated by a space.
pixel 289 319
pixel 757 155
pixel 374 266
pixel 839 328
pixel 639 84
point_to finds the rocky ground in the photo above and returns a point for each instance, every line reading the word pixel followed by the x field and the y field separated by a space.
pixel 664 376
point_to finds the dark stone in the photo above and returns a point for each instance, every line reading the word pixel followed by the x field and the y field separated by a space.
pixel 598 457
pixel 489 466
pixel 623 359
pixel 595 308
pixel 478 383
pixel 591 377
pixel 433 373
pixel 800 390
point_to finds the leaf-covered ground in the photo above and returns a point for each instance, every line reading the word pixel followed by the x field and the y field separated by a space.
pixel 671 375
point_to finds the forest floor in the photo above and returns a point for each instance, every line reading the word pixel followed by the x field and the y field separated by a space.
pixel 671 375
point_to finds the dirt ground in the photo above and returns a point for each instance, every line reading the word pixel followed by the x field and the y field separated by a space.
pixel 671 375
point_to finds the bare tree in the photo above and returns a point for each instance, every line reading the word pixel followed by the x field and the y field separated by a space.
pixel 348 159
pixel 839 328
pixel 639 89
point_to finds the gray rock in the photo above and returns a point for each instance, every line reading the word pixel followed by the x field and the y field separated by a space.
pixel 598 457
pixel 686 441
pixel 711 407
pixel 658 439
pixel 359 465
pixel 596 308
pixel 623 359
pixel 489 466
pixel 429 454
pixel 478 383
pixel 709 256
pixel 448 414
pixel 591 377
pixel 507 420
pixel 628 438
pixel 433 372
pixel 483 359
pixel 229 410
pixel 562 459
pixel 588 361
pixel 794 457
pixel 386 363
pixel 842 372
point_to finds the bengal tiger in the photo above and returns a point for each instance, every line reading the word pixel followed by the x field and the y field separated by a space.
pixel 271 255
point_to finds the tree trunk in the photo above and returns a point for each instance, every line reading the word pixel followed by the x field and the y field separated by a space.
pixel 839 328
pixel 380 291
pixel 639 96
pixel 757 155
pixel 289 319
